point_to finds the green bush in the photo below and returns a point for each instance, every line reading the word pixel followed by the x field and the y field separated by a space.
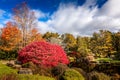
pixel 33 77
pixel 26 65
pixel 71 74
pixel 2 55
pixel 81 71
pixel 8 55
pixel 98 76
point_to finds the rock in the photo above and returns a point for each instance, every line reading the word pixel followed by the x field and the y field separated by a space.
pixel 17 62
pixel 25 71
pixel 10 64
pixel 17 67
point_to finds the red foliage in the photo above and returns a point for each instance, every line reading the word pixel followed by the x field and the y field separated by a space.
pixel 43 53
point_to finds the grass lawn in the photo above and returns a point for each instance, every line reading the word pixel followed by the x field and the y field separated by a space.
pixel 33 77
pixel 5 70
pixel 107 60
pixel 103 59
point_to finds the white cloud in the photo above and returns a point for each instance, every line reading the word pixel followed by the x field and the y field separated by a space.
pixel 72 19
pixel 82 20
pixel 44 27
pixel 39 14
pixel 1 25
pixel 1 12
pixel 4 17
pixel 111 8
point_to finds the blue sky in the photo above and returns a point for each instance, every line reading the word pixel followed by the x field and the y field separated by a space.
pixel 78 17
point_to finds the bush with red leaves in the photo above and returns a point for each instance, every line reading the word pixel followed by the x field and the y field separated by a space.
pixel 43 53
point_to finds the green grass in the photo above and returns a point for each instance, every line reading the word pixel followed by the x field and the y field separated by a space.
pixel 103 59
pixel 115 61
pixel 33 77
pixel 5 70
pixel 107 60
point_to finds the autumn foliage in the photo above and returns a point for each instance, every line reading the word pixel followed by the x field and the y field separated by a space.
pixel 43 53
pixel 25 19
pixel 34 36
pixel 10 37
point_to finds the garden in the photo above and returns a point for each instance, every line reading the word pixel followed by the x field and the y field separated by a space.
pixel 26 54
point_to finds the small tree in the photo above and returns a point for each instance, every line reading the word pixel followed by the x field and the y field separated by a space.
pixel 43 53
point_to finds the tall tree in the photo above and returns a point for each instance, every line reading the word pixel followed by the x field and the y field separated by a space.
pixel 101 43
pixel 10 37
pixel 25 19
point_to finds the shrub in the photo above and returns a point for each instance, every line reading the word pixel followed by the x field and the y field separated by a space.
pixel 34 77
pixel 43 53
pixel 115 77
pixel 26 65
pixel 36 69
pixel 81 71
pixel 2 55
pixel 71 74
pixel 84 64
pixel 8 55
pixel 58 70
pixel 98 76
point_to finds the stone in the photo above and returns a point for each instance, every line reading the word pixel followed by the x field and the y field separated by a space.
pixel 25 71
pixel 17 67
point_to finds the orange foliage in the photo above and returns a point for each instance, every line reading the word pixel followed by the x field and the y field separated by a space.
pixel 10 37
pixel 35 35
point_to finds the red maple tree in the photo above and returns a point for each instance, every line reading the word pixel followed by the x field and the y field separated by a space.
pixel 43 53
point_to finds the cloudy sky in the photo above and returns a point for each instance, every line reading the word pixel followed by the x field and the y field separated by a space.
pixel 78 17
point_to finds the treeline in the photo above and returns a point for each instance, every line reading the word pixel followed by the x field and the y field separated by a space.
pixel 101 44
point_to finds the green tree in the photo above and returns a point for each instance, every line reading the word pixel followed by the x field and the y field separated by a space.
pixel 70 41
pixel 102 43
pixel 48 35
pixel 82 46
pixel 116 44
